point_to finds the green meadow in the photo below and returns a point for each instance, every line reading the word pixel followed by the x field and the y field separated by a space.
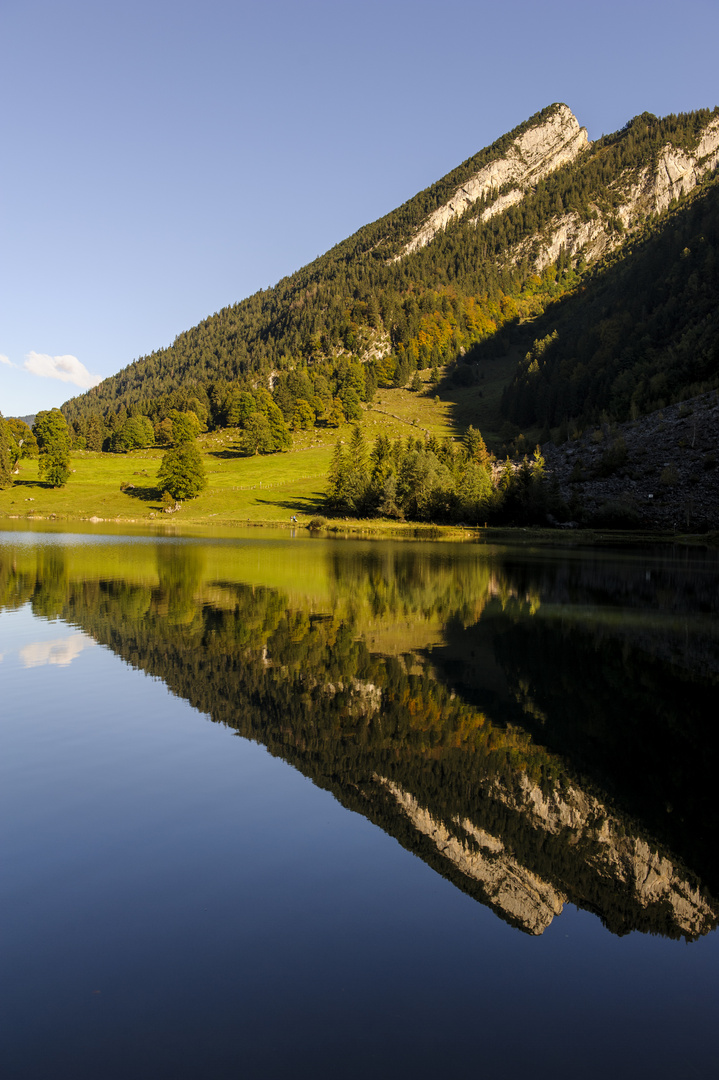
pixel 240 490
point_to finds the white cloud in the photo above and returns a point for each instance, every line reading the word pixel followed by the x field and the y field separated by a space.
pixel 61 651
pixel 5 360
pixel 65 368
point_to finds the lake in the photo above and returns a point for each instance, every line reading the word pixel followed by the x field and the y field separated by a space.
pixel 286 806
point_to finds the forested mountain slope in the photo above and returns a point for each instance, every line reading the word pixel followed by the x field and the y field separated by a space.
pixel 640 333
pixel 488 245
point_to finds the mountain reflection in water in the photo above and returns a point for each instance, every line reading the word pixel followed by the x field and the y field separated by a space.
pixel 537 728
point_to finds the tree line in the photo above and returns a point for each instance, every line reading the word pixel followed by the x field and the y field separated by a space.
pixel 433 480
pixel 181 474
pixel 49 439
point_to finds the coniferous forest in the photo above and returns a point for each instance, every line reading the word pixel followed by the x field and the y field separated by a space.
pixel 641 333
pixel 618 337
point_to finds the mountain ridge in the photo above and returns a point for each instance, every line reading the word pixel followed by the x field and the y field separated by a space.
pixel 443 273
pixel 532 155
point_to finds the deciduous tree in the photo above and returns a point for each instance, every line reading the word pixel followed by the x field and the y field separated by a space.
pixel 53 439
pixel 257 438
pixel 5 459
pixel 23 437
pixel 182 472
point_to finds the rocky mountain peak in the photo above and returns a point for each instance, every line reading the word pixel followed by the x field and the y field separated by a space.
pixel 535 153
pixel 651 190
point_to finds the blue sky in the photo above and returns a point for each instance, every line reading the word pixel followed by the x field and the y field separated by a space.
pixel 164 159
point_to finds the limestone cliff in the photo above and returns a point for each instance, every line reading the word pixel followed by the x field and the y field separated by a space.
pixel 616 855
pixel 556 141
pixel 635 195
pixel 533 155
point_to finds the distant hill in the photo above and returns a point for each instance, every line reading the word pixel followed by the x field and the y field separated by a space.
pixel 483 251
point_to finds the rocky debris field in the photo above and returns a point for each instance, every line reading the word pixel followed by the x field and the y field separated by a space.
pixel 658 472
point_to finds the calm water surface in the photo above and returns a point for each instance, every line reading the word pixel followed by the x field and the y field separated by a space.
pixel 291 807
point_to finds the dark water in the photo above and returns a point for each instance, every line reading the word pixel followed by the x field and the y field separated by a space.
pixel 283 807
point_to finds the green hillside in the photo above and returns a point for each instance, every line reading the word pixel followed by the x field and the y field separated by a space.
pixel 241 488
pixel 359 317
pixel 640 334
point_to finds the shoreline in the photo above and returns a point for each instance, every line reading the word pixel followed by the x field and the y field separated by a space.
pixel 341 529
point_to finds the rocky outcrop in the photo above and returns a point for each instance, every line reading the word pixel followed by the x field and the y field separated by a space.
pixel 363 698
pixel 620 857
pixel 533 155
pixel 557 141
pixel 676 172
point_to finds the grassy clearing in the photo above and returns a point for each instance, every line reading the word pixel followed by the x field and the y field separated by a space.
pixel 240 490
pixel 400 413
pixel 245 492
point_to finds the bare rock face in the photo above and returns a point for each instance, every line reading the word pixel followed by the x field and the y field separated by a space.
pixel 676 173
pixel 554 142
pixel 363 698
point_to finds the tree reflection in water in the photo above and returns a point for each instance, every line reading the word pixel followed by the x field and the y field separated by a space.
pixel 537 728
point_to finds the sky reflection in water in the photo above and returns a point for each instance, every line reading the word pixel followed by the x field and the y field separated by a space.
pixel 181 902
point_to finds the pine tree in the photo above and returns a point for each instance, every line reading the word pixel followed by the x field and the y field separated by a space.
pixel 337 476
pixel 357 472
pixel 475 447
pixel 380 462
pixel 95 432
pixel 477 493
pixel 185 427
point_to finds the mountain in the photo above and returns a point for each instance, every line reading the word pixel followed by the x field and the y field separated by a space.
pixel 641 333
pixel 532 154
pixel 466 264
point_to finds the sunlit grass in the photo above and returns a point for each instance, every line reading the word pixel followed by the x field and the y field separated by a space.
pixel 240 490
